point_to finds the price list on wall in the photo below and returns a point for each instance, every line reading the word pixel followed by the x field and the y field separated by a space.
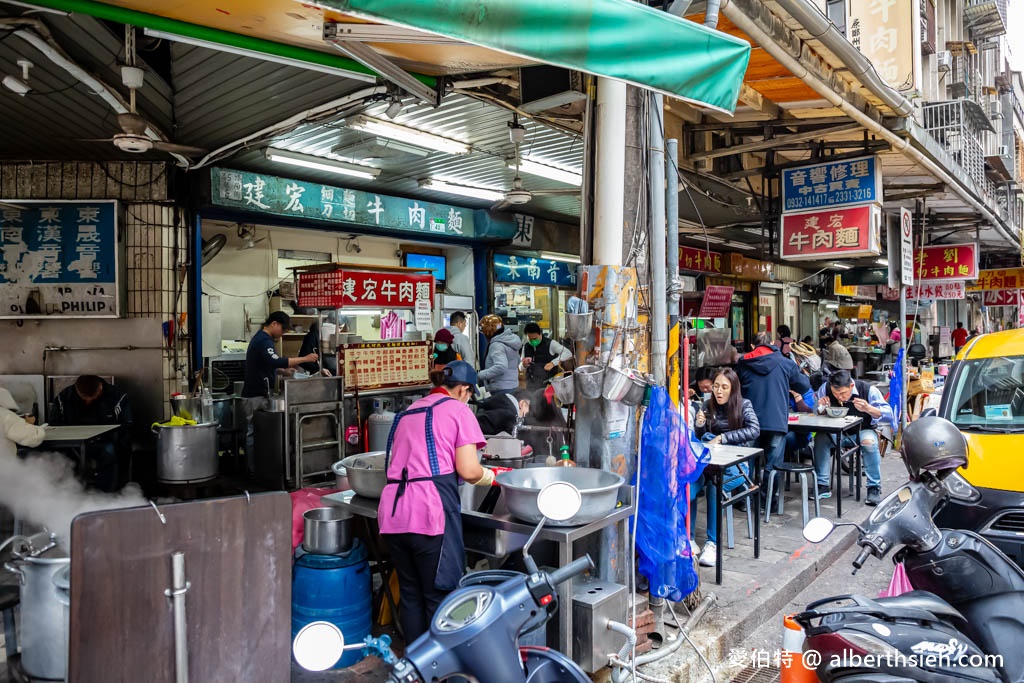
pixel 382 365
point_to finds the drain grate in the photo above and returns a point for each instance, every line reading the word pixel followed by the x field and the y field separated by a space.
pixel 758 674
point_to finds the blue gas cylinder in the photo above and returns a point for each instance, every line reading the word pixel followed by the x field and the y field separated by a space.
pixel 334 588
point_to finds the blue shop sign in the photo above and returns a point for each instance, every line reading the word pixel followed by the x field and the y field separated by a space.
pixel 58 258
pixel 831 184
pixel 530 270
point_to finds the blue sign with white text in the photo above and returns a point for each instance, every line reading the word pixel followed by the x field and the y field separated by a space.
pixel 530 270
pixel 58 243
pixel 831 184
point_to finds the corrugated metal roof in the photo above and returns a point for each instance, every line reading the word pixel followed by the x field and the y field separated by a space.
pixel 483 125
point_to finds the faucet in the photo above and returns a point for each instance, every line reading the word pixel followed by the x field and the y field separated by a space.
pixel 515 429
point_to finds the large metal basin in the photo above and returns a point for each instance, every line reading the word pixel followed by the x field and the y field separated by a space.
pixel 599 490
pixel 366 474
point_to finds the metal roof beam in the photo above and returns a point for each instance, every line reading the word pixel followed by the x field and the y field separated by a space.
pixel 774 142
pixel 369 58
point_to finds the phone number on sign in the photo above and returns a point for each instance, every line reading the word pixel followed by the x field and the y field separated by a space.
pixel 840 197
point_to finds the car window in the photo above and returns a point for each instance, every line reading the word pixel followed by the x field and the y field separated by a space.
pixel 989 394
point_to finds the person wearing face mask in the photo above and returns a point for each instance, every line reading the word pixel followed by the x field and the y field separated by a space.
pixel 444 351
pixel 542 357
pixel 432 445
pixel 727 418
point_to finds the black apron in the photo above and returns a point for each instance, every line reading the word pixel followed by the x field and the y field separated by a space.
pixel 453 553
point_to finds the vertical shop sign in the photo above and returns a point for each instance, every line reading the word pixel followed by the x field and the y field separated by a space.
pixel 947 262
pixel 59 259
pixel 847 233
pixel 887 33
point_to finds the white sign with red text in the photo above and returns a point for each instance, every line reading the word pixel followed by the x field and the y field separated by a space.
pixel 936 290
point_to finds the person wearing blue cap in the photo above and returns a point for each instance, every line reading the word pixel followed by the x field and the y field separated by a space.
pixel 431 446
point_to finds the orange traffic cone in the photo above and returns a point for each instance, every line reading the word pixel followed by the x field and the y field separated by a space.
pixel 792 667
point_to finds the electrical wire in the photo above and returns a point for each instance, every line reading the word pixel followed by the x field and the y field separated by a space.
pixel 687 637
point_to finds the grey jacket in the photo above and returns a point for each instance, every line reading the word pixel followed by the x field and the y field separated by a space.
pixel 462 345
pixel 718 423
pixel 501 367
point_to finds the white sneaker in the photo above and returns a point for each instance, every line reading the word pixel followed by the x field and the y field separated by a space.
pixel 695 548
pixel 707 557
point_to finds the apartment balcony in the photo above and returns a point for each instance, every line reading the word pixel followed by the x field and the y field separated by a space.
pixel 960 126
pixel 985 18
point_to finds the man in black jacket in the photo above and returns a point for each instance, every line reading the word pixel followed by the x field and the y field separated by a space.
pixel 767 377
pixel 91 400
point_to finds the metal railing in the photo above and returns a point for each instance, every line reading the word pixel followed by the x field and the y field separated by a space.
pixel 950 125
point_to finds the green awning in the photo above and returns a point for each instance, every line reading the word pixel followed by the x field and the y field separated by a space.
pixel 618 39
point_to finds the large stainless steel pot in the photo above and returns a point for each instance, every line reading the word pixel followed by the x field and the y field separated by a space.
pixel 327 531
pixel 599 490
pixel 366 473
pixel 186 453
pixel 44 633
pixel 228 412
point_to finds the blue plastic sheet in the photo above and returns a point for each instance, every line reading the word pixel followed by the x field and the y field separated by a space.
pixel 896 391
pixel 670 462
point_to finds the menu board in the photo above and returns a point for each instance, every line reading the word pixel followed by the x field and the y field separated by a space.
pixel 384 365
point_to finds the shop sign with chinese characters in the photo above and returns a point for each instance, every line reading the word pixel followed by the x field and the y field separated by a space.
pixel 936 290
pixel 947 262
pixel 533 271
pixel 1002 297
pixel 378 365
pixel 1008 278
pixel 699 260
pixel 346 288
pixel 59 259
pixel 833 183
pixel 887 33
pixel 845 233
pixel 716 302
pixel 336 205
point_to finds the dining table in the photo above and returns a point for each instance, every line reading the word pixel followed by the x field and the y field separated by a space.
pixel 837 428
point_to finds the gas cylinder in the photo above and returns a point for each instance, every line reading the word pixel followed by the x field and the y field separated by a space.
pixel 379 422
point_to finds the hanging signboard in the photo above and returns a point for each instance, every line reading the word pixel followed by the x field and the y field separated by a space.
pixel 1020 310
pixel 906 247
pixel 846 233
pixel 831 184
pixel 1009 278
pixel 59 259
pixel 1002 297
pixel 888 34
pixel 533 271
pixel 381 365
pixel 854 312
pixel 947 262
pixel 336 205
pixel 699 260
pixel 716 302
pixel 346 288
pixel 936 290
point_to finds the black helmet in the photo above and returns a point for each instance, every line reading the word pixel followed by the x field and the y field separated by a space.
pixel 933 444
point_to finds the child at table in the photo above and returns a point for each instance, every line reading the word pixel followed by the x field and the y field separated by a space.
pixel 727 418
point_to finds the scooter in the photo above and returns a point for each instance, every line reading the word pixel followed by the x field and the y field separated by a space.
pixel 963 622
pixel 475 631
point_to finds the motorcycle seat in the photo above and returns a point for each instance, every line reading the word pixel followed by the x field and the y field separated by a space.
pixel 925 601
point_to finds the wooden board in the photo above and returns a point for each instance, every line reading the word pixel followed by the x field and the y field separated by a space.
pixel 238 560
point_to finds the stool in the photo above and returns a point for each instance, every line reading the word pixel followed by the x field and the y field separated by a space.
pixel 806 474
pixel 728 523
pixel 9 599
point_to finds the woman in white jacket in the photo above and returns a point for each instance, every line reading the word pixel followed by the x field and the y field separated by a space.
pixel 14 430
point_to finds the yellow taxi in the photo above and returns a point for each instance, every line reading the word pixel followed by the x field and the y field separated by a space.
pixel 984 397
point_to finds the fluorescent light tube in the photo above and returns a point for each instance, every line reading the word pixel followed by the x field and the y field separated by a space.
pixel 463 190
pixel 882 261
pixel 555 256
pixel 413 136
pixel 284 156
pixel 256 54
pixel 562 175
pixel 840 266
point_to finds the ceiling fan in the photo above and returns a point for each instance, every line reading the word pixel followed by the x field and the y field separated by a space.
pixel 133 138
pixel 517 194
pixel 247 233
pixel 212 247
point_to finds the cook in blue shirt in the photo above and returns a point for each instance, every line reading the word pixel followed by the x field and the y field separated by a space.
pixel 261 366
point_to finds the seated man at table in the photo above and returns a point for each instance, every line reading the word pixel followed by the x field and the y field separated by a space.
pixel 865 402
pixel 92 400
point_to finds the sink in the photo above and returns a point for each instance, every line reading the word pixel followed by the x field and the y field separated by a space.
pixel 483 539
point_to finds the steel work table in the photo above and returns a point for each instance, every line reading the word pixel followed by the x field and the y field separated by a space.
pixel 836 428
pixel 564 537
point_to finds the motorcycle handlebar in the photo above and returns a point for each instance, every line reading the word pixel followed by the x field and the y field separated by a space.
pixel 862 557
pixel 577 566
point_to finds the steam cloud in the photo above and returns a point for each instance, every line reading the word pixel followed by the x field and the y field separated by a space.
pixel 42 489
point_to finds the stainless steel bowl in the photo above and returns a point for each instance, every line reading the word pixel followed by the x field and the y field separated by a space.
pixel 340 477
pixel 326 531
pixel 598 489
pixel 366 473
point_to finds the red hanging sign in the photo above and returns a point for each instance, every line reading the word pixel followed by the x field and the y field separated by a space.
pixel 1002 297
pixel 716 302
pixel 845 233
pixel 947 262
pixel 344 288
pixel 699 260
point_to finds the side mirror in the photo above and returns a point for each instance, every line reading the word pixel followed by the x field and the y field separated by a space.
pixel 818 529
pixel 558 501
pixel 318 646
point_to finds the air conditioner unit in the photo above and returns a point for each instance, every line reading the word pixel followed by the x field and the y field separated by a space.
pixel 1004 151
pixel 995 109
pixel 944 60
